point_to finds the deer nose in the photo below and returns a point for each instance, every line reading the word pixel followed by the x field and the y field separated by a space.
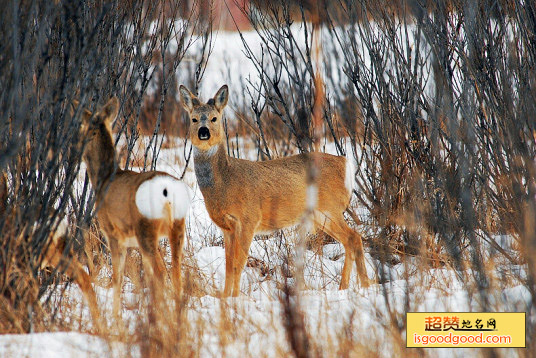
pixel 203 133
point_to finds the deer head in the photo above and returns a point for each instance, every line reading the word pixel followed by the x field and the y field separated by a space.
pixel 206 127
pixel 98 128
pixel 99 152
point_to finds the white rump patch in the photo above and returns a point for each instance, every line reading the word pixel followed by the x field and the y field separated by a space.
pixel 349 177
pixel 161 196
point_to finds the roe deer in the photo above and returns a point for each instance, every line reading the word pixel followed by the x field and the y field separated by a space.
pixel 53 256
pixel 133 209
pixel 245 197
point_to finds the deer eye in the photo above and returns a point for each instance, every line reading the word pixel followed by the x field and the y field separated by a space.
pixel 194 120
pixel 214 119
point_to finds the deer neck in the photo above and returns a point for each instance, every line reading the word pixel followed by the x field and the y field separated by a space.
pixel 100 161
pixel 210 165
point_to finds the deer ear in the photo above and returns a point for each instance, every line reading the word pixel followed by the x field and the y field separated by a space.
pixel 108 113
pixel 86 114
pixel 187 98
pixel 221 97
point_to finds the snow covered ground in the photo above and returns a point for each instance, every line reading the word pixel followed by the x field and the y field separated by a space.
pixel 57 344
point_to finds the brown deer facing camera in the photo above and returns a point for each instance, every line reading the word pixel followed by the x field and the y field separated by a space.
pixel 133 209
pixel 244 197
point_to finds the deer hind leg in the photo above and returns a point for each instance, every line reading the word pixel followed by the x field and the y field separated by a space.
pixel 353 247
pixel 176 240
pixel 152 260
pixel 359 258
pixel 154 272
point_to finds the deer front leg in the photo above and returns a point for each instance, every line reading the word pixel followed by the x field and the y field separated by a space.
pixel 241 250
pixel 228 263
pixel 231 238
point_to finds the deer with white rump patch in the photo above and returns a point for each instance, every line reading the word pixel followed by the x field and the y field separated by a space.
pixel 133 209
pixel 244 197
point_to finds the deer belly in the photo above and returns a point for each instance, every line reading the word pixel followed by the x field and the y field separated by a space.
pixel 280 218
pixel 131 242
pixel 163 197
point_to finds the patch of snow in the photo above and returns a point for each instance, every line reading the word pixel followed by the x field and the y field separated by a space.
pixel 61 344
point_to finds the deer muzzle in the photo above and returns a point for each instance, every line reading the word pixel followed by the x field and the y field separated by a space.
pixel 203 133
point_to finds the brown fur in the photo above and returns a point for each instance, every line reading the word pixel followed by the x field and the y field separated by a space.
pixel 244 197
pixel 117 212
